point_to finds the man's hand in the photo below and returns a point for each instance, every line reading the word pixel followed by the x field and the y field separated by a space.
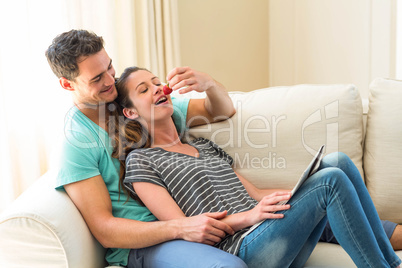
pixel 205 228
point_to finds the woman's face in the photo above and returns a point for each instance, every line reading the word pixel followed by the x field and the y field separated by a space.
pixel 146 94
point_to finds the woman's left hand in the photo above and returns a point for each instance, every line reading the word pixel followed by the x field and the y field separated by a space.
pixel 187 79
pixel 268 206
pixel 265 209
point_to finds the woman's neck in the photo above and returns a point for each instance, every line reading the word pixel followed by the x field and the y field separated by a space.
pixel 164 134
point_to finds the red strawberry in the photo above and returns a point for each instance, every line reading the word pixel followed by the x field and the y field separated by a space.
pixel 167 90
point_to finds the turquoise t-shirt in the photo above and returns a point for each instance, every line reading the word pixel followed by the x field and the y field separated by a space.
pixel 87 153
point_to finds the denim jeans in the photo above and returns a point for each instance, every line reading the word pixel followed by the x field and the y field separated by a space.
pixel 336 192
pixel 183 254
pixel 328 235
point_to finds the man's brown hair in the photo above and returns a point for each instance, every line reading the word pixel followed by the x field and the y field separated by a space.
pixel 68 48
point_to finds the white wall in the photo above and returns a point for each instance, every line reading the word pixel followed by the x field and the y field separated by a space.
pixel 227 39
pixel 249 44
pixel 399 41
pixel 331 41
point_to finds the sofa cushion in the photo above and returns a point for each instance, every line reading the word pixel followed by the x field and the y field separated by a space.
pixel 276 131
pixel 383 148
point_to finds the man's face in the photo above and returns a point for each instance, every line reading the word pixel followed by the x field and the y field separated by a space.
pixel 95 84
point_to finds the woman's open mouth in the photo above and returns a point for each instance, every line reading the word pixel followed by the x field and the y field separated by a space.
pixel 161 100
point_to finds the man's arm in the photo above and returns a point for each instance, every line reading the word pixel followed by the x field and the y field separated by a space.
pixel 92 199
pixel 215 107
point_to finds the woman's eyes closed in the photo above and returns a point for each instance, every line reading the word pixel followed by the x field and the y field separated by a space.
pixel 146 89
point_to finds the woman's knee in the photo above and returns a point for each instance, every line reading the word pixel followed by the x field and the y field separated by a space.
pixel 332 176
pixel 343 162
pixel 336 159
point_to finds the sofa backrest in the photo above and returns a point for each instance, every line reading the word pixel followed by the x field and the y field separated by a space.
pixel 276 131
pixel 383 148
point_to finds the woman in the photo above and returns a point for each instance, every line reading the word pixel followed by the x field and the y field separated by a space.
pixel 175 180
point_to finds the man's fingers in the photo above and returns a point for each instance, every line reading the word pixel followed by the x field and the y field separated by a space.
pixel 223 226
pixel 212 241
pixel 214 235
pixel 216 216
pixel 214 238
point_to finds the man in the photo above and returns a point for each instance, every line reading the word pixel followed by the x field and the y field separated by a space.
pixel 90 175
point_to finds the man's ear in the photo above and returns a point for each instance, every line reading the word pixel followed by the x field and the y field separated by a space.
pixel 130 113
pixel 66 84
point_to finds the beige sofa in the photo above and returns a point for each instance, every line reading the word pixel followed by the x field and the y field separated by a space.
pixel 272 138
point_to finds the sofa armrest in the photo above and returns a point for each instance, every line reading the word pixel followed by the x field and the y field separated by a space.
pixel 43 228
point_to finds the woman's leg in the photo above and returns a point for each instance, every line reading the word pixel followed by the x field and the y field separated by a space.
pixel 328 236
pixel 183 254
pixel 283 242
pixel 309 245
pixel 343 162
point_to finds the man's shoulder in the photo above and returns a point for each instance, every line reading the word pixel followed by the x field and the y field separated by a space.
pixel 76 121
pixel 80 129
pixel 81 151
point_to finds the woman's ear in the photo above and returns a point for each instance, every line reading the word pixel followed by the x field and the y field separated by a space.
pixel 66 84
pixel 130 113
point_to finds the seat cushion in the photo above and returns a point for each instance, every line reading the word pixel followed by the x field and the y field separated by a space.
pixel 329 255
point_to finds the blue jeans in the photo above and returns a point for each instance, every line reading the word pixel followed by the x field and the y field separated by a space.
pixel 177 254
pixel 336 192
pixel 180 253
pixel 328 235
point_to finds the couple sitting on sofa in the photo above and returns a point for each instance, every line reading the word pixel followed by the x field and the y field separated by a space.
pixel 91 177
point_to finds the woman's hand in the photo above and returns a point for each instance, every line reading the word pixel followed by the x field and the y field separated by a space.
pixel 216 106
pixel 267 207
pixel 187 79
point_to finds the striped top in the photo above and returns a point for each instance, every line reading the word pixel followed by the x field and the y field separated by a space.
pixel 198 184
